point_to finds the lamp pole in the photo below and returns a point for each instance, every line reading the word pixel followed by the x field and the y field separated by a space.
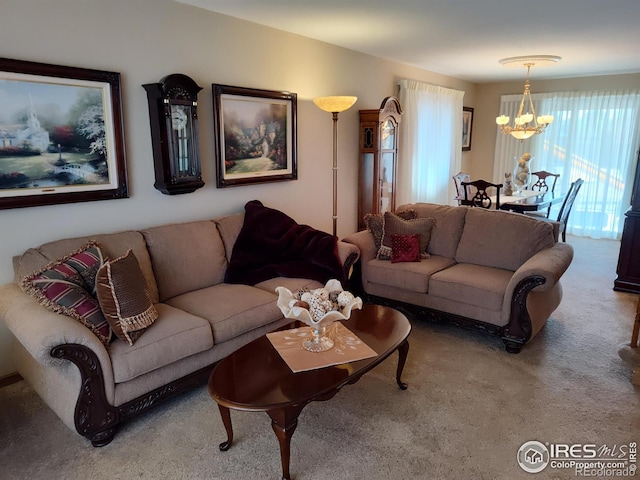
pixel 335 105
pixel 335 173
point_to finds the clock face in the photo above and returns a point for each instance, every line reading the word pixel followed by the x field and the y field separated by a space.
pixel 178 117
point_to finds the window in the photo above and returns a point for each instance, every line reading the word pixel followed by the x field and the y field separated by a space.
pixel 431 142
pixel 595 136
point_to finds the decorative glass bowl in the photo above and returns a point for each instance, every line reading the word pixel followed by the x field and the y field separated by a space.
pixel 316 317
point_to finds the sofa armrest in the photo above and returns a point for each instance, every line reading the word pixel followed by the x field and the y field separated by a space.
pixel 550 263
pixel 364 241
pixel 40 330
pixel 349 255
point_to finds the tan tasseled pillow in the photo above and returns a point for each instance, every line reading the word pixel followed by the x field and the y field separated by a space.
pixel 375 224
pixel 124 297
pixel 395 225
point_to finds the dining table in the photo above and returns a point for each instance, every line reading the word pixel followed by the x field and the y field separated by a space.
pixel 529 201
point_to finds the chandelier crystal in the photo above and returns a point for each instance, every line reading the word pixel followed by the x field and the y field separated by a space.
pixel 527 123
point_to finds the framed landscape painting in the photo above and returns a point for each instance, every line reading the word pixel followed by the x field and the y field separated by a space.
pixel 255 135
pixel 61 135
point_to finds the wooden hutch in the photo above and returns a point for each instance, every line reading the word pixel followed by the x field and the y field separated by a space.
pixel 629 259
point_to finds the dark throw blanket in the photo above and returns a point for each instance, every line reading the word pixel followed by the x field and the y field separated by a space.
pixel 271 244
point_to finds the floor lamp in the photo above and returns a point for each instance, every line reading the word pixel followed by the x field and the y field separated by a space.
pixel 335 105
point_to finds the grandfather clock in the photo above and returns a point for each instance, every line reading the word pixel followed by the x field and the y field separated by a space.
pixel 629 259
pixel 378 164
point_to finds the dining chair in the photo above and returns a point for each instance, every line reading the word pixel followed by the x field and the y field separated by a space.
pixel 567 205
pixel 480 198
pixel 457 181
pixel 541 185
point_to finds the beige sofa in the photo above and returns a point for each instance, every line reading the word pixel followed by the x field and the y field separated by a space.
pixel 491 270
pixel 202 319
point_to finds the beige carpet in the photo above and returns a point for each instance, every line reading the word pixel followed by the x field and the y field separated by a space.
pixel 469 407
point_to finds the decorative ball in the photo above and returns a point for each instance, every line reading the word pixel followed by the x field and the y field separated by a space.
pixel 345 298
pixel 326 305
pixel 316 309
pixel 301 304
pixel 333 296
pixel 298 294
pixel 321 293
pixel 307 296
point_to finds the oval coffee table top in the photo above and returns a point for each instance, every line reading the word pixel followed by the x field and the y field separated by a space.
pixel 255 377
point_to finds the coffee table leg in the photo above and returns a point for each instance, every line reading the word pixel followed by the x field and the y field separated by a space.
pixel 284 422
pixel 403 351
pixel 226 420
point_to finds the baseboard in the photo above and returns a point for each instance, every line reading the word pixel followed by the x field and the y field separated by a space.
pixel 9 379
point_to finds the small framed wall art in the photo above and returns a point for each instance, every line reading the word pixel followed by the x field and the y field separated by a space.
pixel 61 135
pixel 255 135
pixel 467 128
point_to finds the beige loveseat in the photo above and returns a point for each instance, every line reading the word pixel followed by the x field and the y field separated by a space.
pixel 492 270
pixel 92 387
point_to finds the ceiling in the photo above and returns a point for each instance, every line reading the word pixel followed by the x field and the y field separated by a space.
pixel 463 38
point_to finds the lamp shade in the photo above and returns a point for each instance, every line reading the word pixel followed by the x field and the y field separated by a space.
pixel 334 104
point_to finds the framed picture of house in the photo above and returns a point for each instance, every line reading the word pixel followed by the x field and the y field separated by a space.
pixel 467 128
pixel 255 135
pixel 61 135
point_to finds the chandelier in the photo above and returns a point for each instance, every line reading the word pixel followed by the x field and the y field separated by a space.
pixel 527 124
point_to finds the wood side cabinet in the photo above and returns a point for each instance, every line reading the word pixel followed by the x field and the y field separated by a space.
pixel 378 163
pixel 628 270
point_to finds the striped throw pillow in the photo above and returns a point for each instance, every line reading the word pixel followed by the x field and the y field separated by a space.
pixel 67 286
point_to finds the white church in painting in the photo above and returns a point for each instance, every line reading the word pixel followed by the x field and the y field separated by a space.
pixel 32 135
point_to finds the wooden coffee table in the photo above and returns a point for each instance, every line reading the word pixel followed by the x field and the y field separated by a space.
pixel 255 378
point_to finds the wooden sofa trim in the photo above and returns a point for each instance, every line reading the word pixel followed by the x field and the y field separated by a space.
pixel 94 417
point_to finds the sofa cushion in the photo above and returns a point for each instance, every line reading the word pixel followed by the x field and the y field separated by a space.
pixel 186 257
pixel 471 284
pixel 124 297
pixel 447 228
pixel 291 284
pixel 405 248
pixel 173 336
pixel 231 309
pixel 395 225
pixel 229 228
pixel 502 239
pixel 65 286
pixel 409 276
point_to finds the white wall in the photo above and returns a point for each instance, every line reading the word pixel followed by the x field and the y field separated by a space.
pixel 145 40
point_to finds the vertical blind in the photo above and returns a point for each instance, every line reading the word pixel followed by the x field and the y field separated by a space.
pixel 595 136
pixel 430 142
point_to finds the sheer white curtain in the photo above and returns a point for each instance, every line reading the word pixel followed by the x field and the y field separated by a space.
pixel 430 142
pixel 595 136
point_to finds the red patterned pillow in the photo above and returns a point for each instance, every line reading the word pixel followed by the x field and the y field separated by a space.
pixel 375 224
pixel 66 285
pixel 405 248
pixel 395 225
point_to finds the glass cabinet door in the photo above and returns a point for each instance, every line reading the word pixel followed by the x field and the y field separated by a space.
pixel 387 179
pixel 387 182
pixel 378 159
